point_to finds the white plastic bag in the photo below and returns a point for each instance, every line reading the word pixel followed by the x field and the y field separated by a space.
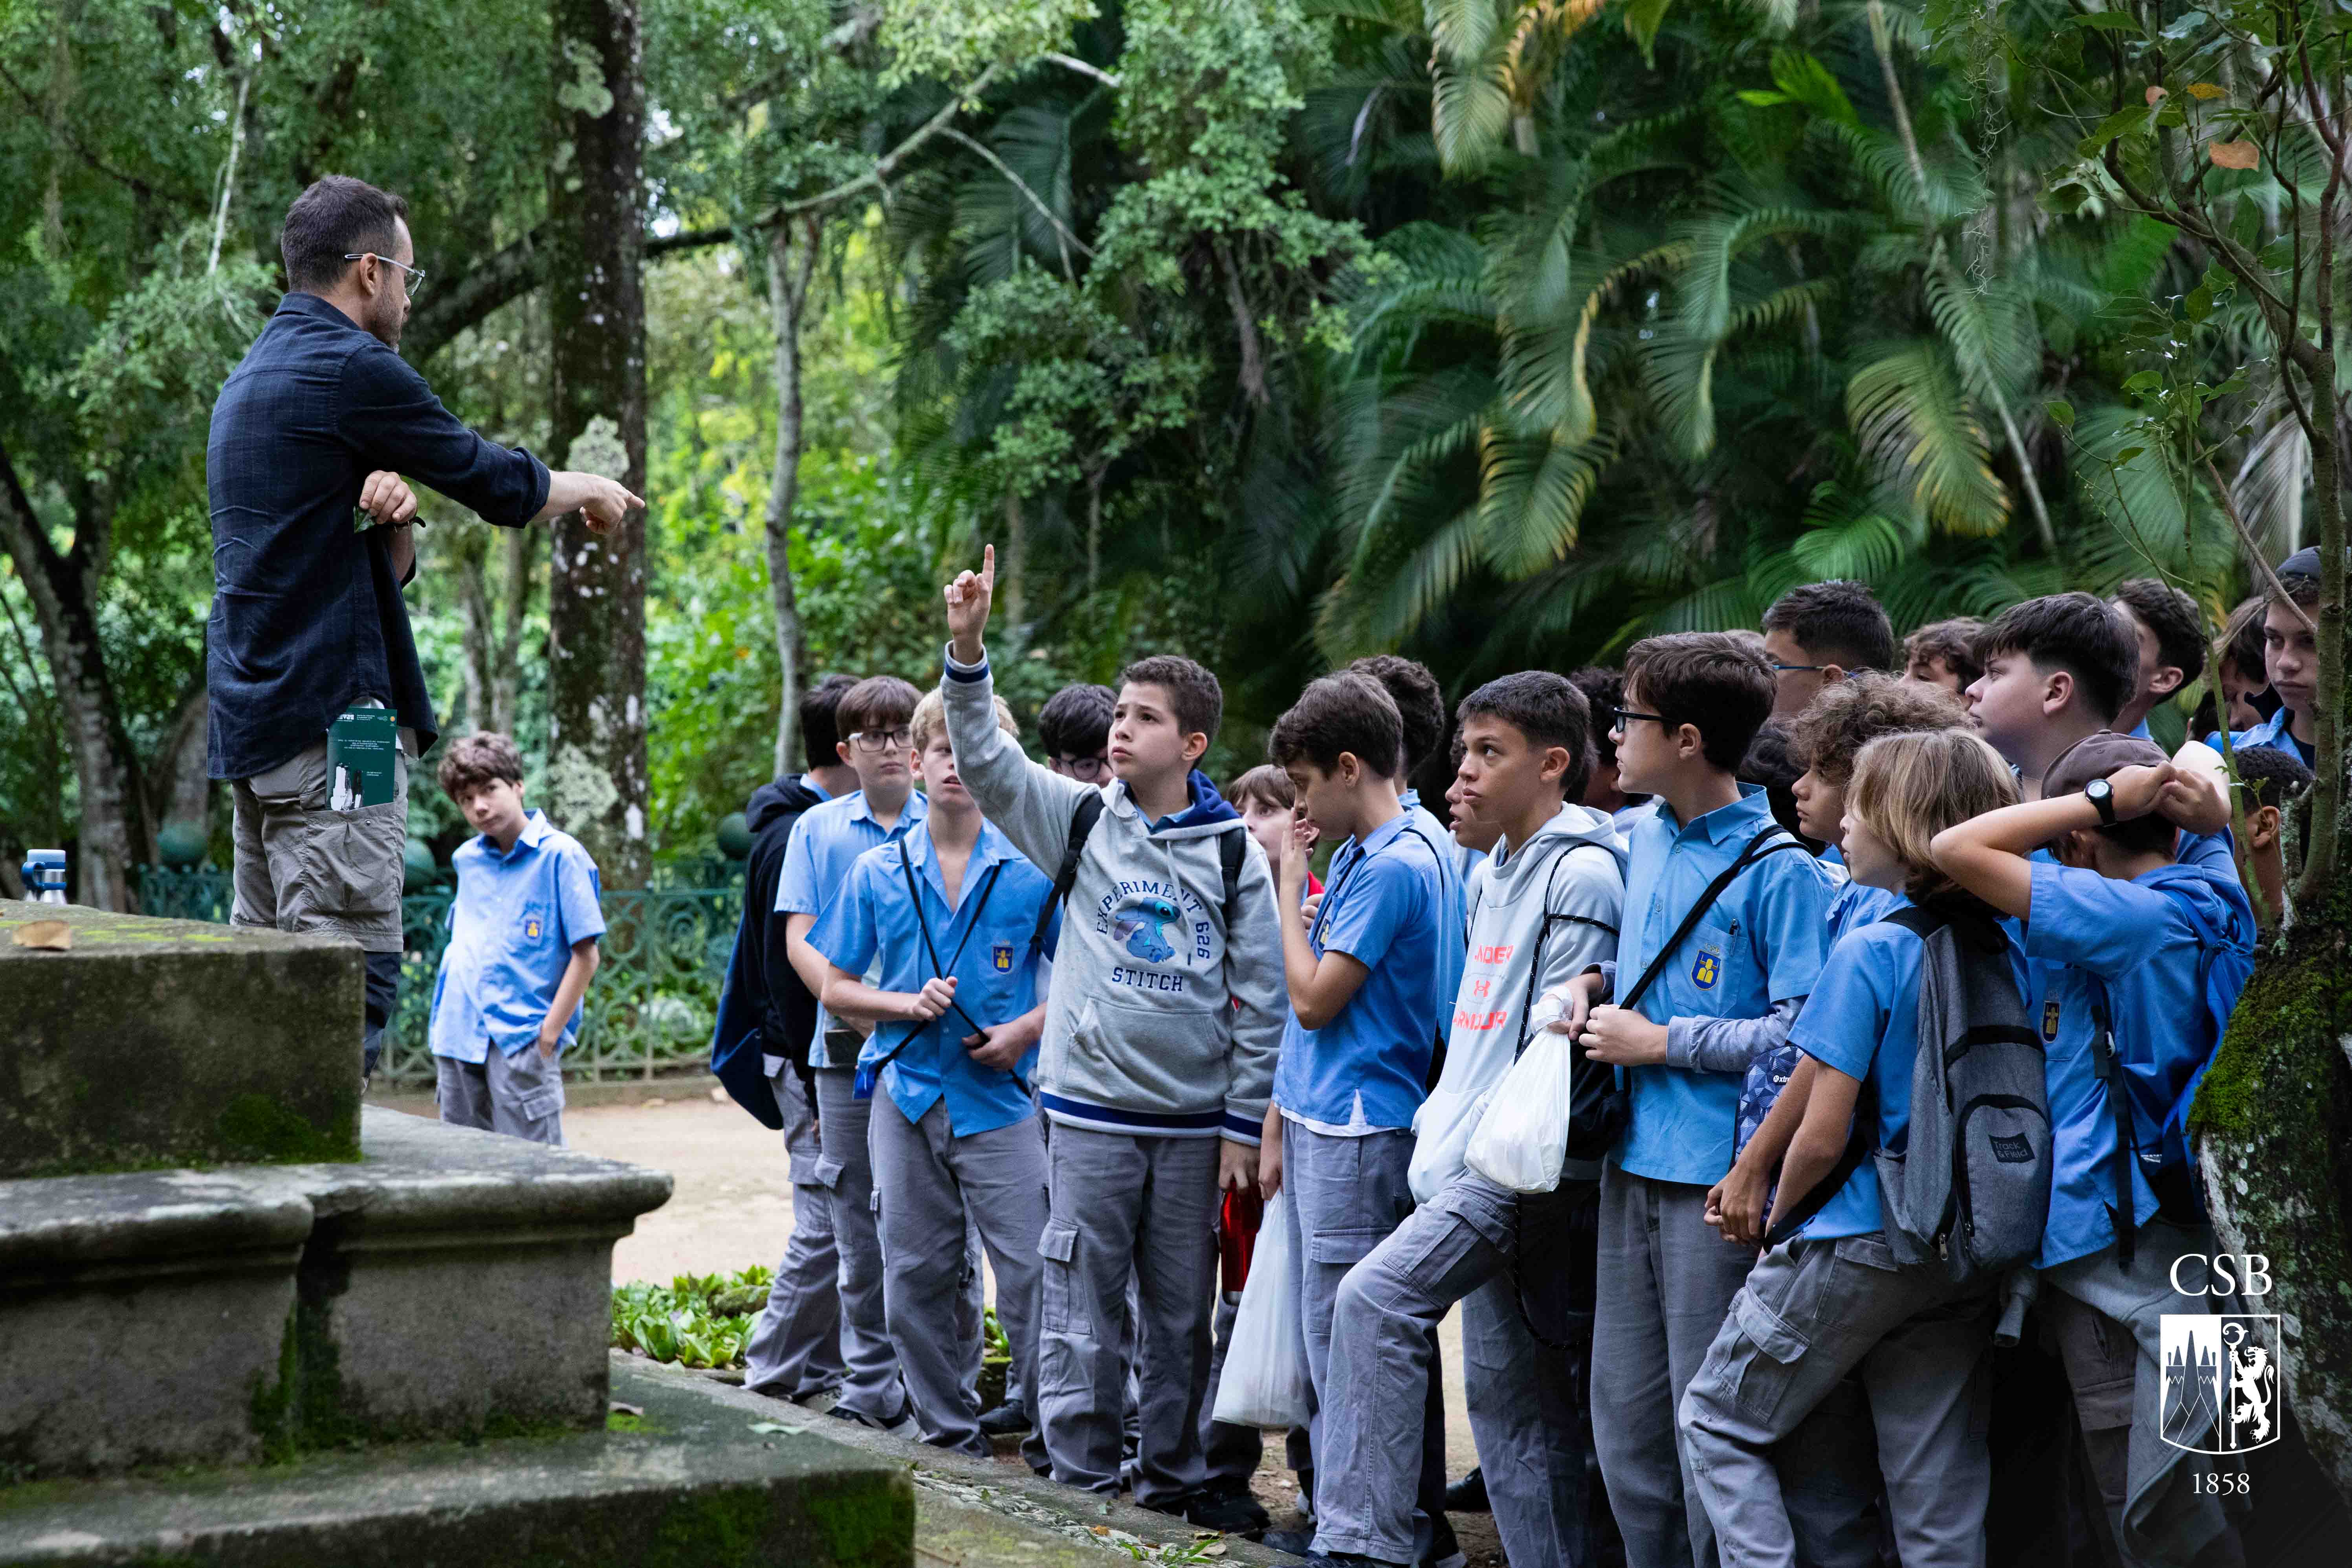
pixel 1523 1137
pixel 1264 1380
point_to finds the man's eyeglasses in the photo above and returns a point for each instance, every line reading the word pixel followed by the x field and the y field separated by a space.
pixel 1085 770
pixel 415 278
pixel 897 739
pixel 1627 716
pixel 1778 668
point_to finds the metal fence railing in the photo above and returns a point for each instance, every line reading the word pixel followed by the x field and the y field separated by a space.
pixel 653 1003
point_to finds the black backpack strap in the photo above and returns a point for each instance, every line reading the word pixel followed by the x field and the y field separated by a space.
pixel 1773 840
pixel 1860 1143
pixel 2109 1068
pixel 1081 822
pixel 1233 851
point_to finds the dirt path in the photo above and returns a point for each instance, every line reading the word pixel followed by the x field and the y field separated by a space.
pixel 733 1207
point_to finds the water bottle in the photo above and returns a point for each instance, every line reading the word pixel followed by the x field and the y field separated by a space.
pixel 44 875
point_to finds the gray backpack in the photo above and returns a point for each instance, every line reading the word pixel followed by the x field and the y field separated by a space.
pixel 1969 1195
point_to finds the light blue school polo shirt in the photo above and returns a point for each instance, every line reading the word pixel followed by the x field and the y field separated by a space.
pixel 1386 907
pixel 1862 1018
pixel 1856 906
pixel 823 847
pixel 1459 864
pixel 985 947
pixel 2085 933
pixel 511 933
pixel 1762 942
pixel 2276 732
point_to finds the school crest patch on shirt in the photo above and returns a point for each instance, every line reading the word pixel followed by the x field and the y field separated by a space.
pixel 531 928
pixel 1706 968
pixel 2049 1021
pixel 1001 955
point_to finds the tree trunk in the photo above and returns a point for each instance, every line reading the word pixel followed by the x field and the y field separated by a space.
pixel 596 772
pixel 115 832
pixel 178 787
pixel 468 548
pixel 522 551
pixel 2274 1125
pixel 1011 558
pixel 789 271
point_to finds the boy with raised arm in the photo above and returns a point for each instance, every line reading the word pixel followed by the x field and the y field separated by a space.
pixel 1162 1022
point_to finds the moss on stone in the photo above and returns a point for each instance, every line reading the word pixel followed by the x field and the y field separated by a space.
pixel 255 1129
pixel 2274 1123
pixel 863 1527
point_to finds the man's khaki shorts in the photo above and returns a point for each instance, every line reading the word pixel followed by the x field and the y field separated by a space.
pixel 301 866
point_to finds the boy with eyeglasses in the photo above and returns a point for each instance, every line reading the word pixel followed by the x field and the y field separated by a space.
pixel 1725 919
pixel 1074 728
pixel 1816 635
pixel 874 719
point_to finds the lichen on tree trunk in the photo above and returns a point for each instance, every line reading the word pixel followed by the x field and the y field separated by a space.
pixel 597 777
pixel 2273 1125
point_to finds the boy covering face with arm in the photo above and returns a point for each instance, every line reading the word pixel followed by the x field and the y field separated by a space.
pixel 2118 935
pixel 1163 1024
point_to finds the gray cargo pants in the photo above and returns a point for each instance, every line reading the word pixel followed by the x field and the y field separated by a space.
pixel 794 1351
pixel 2109 1322
pixel 1120 1201
pixel 1666 1280
pixel 1810 1312
pixel 873 1391
pixel 520 1095
pixel 1372 1460
pixel 933 1184
pixel 1346 1196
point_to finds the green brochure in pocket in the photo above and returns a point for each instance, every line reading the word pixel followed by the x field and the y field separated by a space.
pixel 362 749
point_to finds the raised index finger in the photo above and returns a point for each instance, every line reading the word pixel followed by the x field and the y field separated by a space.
pixel 987 567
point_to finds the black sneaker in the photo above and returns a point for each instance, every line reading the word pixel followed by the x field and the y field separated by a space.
pixel 1443 1551
pixel 1004 1421
pixel 1468 1495
pixel 1293 1542
pixel 1230 1508
pixel 1233 1516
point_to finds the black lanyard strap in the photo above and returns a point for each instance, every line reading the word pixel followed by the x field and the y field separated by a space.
pixel 931 949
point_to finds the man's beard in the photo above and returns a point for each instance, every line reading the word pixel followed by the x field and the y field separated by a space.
pixel 385 323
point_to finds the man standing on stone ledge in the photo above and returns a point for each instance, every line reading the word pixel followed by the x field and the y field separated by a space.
pixel 307 618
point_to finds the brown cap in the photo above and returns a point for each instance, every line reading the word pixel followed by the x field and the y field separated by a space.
pixel 2096 757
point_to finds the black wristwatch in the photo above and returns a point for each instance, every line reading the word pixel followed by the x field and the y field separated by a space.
pixel 2101 795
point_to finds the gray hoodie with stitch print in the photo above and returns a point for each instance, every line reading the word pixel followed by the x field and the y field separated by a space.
pixel 1159 1022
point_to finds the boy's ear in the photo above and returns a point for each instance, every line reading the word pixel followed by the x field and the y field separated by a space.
pixel 1832 674
pixel 841 750
pixel 1196 746
pixel 2167 680
pixel 1552 766
pixel 1689 740
pixel 2057 689
pixel 2263 828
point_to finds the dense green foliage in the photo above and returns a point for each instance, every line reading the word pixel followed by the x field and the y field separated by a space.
pixel 1498 332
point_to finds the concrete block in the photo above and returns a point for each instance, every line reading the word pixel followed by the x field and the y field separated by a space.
pixel 688 1484
pixel 140 1316
pixel 450 1283
pixel 156 1044
pixel 458 1281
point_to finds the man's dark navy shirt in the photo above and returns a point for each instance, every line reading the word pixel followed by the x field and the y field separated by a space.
pixel 307 616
